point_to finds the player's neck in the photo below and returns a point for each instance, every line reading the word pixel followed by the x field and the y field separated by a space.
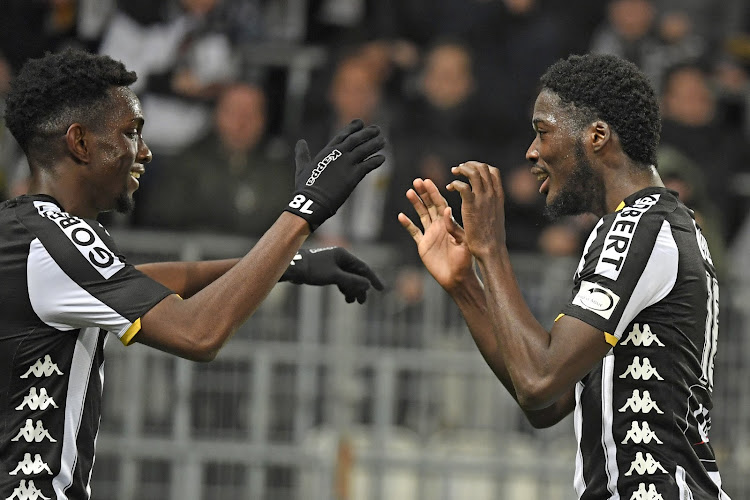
pixel 619 187
pixel 63 188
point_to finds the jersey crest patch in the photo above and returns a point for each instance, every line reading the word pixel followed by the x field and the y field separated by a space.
pixel 596 298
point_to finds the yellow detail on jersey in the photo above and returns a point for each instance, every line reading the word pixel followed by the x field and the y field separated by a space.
pixel 559 316
pixel 127 337
pixel 620 206
pixel 611 339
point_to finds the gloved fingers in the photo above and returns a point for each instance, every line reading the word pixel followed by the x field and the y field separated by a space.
pixel 368 148
pixel 345 132
pixel 370 164
pixel 352 287
pixel 349 263
pixel 359 137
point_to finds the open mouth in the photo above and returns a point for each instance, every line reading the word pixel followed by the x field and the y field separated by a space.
pixel 137 171
pixel 543 177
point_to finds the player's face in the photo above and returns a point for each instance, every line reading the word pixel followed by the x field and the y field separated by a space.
pixel 118 153
pixel 569 182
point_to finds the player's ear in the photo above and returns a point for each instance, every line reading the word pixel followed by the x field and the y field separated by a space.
pixel 76 141
pixel 599 134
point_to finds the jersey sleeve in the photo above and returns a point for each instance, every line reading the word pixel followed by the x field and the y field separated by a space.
pixel 76 278
pixel 629 263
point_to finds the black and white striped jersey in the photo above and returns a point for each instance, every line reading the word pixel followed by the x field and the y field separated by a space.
pixel 64 286
pixel 642 419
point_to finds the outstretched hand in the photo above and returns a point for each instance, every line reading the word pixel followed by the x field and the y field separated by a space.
pixel 482 206
pixel 333 266
pixel 323 183
pixel 442 246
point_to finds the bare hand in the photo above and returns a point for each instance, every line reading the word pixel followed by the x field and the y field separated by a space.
pixel 441 246
pixel 482 207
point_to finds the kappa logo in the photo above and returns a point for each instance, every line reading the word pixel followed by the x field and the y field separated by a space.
pixel 617 241
pixel 642 336
pixel 638 404
pixel 33 433
pixel 322 164
pixel 596 298
pixel 645 465
pixel 640 371
pixel 43 367
pixel 35 401
pixel 84 238
pixel 26 491
pixel 646 494
pixel 27 466
pixel 642 434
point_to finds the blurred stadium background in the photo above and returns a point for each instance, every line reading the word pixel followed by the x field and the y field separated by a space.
pixel 315 399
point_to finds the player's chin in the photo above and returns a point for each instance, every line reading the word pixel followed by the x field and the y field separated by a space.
pixel 125 204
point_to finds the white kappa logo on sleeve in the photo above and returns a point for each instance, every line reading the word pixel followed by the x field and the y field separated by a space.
pixel 596 298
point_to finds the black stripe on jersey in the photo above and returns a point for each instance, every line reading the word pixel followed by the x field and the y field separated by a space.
pixel 592 451
pixel 128 292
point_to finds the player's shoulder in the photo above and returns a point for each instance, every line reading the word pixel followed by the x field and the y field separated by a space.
pixel 42 214
pixel 643 212
pixel 68 238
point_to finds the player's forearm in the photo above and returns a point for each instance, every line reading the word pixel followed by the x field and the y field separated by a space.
pixel 187 278
pixel 472 301
pixel 523 343
pixel 196 328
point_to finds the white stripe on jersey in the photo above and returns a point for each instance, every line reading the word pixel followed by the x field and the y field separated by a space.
pixel 679 476
pixel 96 436
pixel 716 478
pixel 608 440
pixel 656 281
pixel 586 247
pixel 80 371
pixel 61 302
pixel 578 481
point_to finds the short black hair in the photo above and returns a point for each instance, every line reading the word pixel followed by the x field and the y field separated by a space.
pixel 58 89
pixel 614 90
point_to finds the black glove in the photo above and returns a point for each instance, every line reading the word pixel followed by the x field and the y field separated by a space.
pixel 333 266
pixel 323 184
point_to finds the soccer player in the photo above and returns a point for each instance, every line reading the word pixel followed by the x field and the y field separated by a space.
pixel 632 352
pixel 64 285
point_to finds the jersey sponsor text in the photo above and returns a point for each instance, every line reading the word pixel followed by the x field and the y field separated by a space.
pixel 617 241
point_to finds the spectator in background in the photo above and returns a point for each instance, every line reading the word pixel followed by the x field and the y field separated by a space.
pixel 231 180
pixel 693 124
pixel 512 47
pixel 654 40
pixel 442 123
pixel 354 91
pixel 628 31
pixel 681 174
pixel 184 59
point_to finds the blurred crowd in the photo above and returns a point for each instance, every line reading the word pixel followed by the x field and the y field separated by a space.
pixel 227 87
